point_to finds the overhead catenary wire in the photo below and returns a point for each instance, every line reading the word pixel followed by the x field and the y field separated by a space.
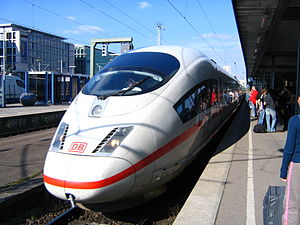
pixel 212 27
pixel 59 15
pixel 186 6
pixel 200 35
pixel 130 17
pixel 25 25
pixel 11 21
pixel 113 18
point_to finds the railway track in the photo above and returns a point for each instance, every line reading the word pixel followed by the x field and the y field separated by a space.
pixel 160 211
pixel 67 216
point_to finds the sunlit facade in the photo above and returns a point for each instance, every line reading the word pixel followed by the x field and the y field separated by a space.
pixel 82 59
pixel 25 49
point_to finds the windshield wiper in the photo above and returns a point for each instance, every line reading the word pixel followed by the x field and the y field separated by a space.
pixel 122 92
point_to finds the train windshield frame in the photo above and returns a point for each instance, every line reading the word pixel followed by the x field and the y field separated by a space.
pixel 133 74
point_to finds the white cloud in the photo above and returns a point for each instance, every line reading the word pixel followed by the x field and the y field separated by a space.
pixel 143 5
pixel 219 41
pixel 85 29
pixel 71 18
pixel 71 32
pixel 90 29
pixel 220 36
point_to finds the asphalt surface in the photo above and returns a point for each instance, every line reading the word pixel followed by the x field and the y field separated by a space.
pixel 23 155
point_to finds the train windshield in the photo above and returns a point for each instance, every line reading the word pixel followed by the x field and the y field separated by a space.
pixel 132 74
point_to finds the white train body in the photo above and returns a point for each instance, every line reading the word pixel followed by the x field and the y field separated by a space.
pixel 115 144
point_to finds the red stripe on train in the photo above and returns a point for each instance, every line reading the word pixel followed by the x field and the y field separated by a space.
pixel 129 171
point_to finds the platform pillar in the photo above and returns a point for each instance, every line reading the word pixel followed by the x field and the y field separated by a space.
pixel 46 88
pixel 52 87
pixel 26 82
pixel 64 79
pixel 272 72
pixel 92 59
pixel 78 84
pixel 71 88
pixel 2 91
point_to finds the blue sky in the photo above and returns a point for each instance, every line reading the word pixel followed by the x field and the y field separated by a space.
pixel 208 25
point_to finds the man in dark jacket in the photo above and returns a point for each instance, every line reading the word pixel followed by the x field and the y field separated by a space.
pixel 270 112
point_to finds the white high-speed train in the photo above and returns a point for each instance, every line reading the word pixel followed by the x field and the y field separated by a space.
pixel 136 124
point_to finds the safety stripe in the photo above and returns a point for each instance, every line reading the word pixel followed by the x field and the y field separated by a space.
pixel 287 201
pixel 129 171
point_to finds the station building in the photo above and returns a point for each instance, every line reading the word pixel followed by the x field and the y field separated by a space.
pixel 39 58
pixel 82 59
pixel 25 49
pixel 49 66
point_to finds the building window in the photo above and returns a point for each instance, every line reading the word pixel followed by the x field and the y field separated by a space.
pixel 9 51
pixel 8 35
pixel 9 59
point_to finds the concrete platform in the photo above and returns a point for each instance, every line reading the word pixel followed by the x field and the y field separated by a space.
pixel 20 110
pixel 17 118
pixel 232 187
pixel 24 155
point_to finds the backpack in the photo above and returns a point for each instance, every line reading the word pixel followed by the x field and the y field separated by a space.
pixel 258 96
pixel 259 128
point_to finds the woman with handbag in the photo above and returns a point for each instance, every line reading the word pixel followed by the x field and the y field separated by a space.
pixel 290 172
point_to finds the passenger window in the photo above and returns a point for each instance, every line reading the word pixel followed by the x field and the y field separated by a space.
pixel 194 102
pixel 232 91
pixel 214 95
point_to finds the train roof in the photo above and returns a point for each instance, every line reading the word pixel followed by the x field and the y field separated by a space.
pixel 183 54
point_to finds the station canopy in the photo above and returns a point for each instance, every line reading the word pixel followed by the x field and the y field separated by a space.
pixel 269 32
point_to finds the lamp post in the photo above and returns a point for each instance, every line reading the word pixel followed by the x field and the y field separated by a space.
pixel 39 60
pixel 61 66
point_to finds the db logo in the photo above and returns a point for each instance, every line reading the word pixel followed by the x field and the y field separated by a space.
pixel 78 147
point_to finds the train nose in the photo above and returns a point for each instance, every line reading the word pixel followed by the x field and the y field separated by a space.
pixel 88 179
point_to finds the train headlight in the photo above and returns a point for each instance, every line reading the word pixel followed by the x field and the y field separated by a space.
pixel 60 137
pixel 116 139
pixel 96 111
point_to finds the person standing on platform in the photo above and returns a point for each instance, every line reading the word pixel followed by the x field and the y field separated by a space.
pixel 290 172
pixel 252 99
pixel 261 106
pixel 213 98
pixel 270 111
